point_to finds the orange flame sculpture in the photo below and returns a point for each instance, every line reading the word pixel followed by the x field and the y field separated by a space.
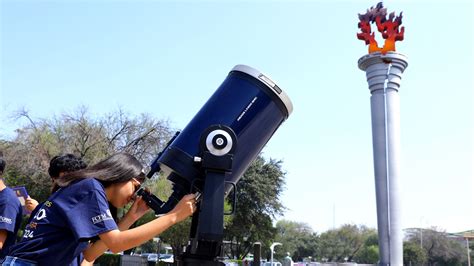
pixel 389 28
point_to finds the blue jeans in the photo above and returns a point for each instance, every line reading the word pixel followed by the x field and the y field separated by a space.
pixel 10 261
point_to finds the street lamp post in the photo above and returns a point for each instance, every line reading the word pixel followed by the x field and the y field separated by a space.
pixel 157 239
pixel 468 252
pixel 272 247
pixel 421 232
pixel 257 254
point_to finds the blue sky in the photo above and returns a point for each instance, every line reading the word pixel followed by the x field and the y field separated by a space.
pixel 167 57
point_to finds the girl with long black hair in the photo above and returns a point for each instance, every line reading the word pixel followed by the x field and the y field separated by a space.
pixel 79 211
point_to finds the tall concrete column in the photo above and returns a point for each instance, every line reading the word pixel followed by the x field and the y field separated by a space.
pixel 384 73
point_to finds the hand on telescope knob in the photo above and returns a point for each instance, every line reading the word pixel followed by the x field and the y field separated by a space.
pixel 30 204
pixel 185 207
pixel 138 209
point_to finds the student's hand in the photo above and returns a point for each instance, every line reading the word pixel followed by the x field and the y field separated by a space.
pixel 30 204
pixel 185 207
pixel 138 209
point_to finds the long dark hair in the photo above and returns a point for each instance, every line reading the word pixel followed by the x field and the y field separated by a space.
pixel 118 168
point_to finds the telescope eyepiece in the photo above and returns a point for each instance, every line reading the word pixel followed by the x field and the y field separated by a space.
pixel 151 200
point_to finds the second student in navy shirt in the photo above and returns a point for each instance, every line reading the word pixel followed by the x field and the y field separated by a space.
pixel 59 166
pixel 63 225
pixel 10 214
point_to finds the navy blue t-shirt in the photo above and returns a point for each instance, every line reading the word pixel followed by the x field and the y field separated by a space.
pixel 77 260
pixel 61 227
pixel 10 218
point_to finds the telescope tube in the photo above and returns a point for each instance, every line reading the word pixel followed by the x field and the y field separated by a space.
pixel 249 103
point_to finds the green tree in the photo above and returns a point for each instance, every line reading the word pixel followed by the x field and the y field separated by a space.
pixel 307 247
pixel 368 254
pixel 177 236
pixel 371 237
pixel 161 187
pixel 330 246
pixel 148 247
pixel 297 238
pixel 439 247
pixel 343 243
pixel 258 201
pixel 413 254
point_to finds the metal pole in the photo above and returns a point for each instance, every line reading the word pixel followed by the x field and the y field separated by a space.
pixel 271 251
pixel 468 253
pixel 421 238
pixel 257 250
pixel 271 256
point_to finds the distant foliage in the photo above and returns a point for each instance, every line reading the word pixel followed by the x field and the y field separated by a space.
pixel 91 137
pixel 344 243
pixel 439 247
pixel 369 252
pixel 368 255
pixel 413 254
pixel 258 202
pixel 177 236
pixel 298 239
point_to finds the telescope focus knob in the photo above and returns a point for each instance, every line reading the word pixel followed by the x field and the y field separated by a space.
pixel 219 142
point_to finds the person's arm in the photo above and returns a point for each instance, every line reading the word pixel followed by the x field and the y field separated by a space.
pixel 95 250
pixel 9 213
pixel 118 241
pixel 3 237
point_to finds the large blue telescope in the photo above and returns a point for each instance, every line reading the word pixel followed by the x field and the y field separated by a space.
pixel 250 104
pixel 213 151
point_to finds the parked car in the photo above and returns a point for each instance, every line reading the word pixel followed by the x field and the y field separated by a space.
pixel 152 257
pixel 168 258
pixel 268 263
